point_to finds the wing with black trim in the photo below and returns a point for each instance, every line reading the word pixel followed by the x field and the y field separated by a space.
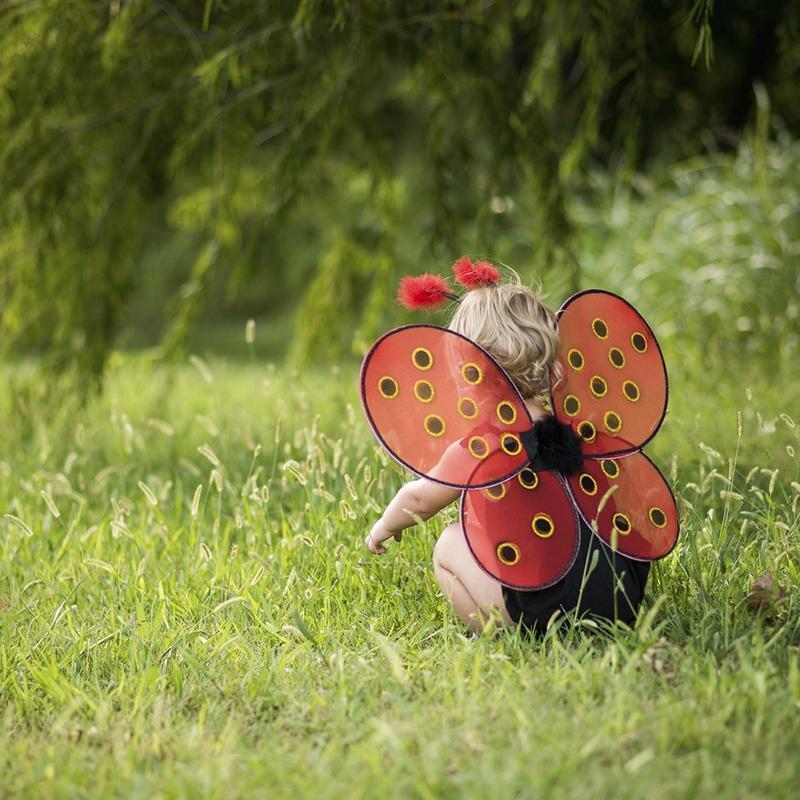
pixel 613 384
pixel 443 407
pixel 523 532
pixel 630 506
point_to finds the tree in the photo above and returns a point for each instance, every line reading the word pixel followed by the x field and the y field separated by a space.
pixel 257 130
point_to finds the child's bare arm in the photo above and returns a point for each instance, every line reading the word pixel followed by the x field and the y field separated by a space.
pixel 419 499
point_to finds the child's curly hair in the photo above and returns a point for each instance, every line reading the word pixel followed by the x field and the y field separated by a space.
pixel 517 328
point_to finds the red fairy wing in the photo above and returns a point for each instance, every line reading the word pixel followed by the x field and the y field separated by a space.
pixel 614 386
pixel 443 407
pixel 523 532
pixel 639 518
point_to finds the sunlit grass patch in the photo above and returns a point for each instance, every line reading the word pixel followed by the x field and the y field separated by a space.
pixel 186 607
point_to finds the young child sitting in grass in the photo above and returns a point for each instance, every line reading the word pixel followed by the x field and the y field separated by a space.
pixel 513 325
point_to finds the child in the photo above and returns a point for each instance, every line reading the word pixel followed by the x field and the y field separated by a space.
pixel 514 326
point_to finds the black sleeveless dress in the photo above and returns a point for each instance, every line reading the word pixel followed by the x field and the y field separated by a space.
pixel 613 590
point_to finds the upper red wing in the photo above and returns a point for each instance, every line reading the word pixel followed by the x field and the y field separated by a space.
pixel 619 377
pixel 523 532
pixel 639 518
pixel 442 406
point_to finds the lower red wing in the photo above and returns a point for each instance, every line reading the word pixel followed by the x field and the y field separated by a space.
pixel 639 517
pixel 523 532
pixel 443 407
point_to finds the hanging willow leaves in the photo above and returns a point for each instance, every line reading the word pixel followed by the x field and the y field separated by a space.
pixel 237 149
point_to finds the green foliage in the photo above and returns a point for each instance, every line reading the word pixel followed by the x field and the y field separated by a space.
pixel 236 639
pixel 709 248
pixel 235 128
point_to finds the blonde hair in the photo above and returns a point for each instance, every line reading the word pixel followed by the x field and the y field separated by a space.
pixel 517 328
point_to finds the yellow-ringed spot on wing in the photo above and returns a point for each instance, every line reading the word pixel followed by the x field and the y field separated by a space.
pixel 639 342
pixel 388 387
pixel 542 525
pixel 422 358
pixel 657 517
pixel 472 373
pixel 496 492
pixel 528 479
pixel 434 425
pixel 575 359
pixel 616 357
pixel 587 431
pixel 599 328
pixel 468 408
pixel 506 412
pixel 621 523
pixel 631 391
pixel 478 447
pixel 610 468
pixel 612 421
pixel 510 444
pixel 508 553
pixel 571 405
pixel 597 386
pixel 588 484
pixel 424 391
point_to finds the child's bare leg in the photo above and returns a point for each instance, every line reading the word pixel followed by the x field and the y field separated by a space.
pixel 471 591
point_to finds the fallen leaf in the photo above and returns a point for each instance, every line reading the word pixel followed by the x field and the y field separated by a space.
pixel 3 604
pixel 658 658
pixel 764 593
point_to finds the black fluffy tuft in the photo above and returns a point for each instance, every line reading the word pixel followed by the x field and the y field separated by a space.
pixel 552 445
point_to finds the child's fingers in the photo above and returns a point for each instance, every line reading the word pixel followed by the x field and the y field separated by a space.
pixel 374 547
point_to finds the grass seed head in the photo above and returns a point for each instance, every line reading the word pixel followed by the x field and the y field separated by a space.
pixel 198 494
pixel 294 469
pixel 208 424
pixel 206 451
pixel 50 503
pixel 147 492
pixel 713 455
pixel 258 575
pixel 160 426
pixel 17 522
pixel 605 498
pixel 203 368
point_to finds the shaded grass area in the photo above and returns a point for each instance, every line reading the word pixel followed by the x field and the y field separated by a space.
pixel 186 609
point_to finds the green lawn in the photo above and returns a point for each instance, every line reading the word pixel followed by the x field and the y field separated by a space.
pixel 187 610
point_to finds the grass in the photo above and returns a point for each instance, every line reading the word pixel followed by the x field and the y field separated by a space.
pixel 187 610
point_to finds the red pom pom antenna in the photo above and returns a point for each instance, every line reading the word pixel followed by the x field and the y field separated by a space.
pixel 424 291
pixel 479 273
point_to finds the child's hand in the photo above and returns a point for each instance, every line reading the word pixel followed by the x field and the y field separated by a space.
pixel 379 534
